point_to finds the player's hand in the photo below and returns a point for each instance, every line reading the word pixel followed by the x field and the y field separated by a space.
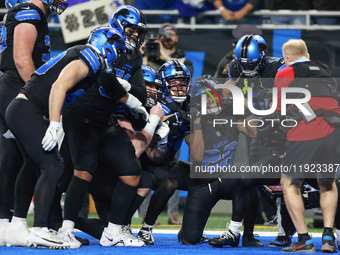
pixel 50 139
pixel 195 114
pixel 157 110
pixel 136 107
pixel 125 84
pixel 162 132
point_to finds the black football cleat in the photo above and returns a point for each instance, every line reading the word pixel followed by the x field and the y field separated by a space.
pixel 227 238
pixel 281 241
pixel 248 240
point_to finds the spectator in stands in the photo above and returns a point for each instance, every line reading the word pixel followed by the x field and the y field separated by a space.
pixel 190 8
pixel 326 5
pixel 290 5
pixel 157 5
pixel 236 10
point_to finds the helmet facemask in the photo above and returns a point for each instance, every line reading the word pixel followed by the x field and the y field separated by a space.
pixel 116 42
pixel 151 93
pixel 251 53
pixel 213 107
pixel 178 88
pixel 134 36
pixel 250 69
pixel 129 21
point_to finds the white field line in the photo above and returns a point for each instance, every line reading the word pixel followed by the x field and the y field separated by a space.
pixel 218 232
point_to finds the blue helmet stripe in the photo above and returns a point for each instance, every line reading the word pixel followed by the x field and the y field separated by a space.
pixel 27 15
pixel 92 58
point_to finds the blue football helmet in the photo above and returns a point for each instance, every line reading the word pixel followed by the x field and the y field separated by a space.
pixel 172 72
pixel 10 3
pixel 109 43
pixel 129 16
pixel 206 84
pixel 250 54
pixel 56 6
pixel 151 80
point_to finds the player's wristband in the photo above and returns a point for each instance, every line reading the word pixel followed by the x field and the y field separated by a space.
pixel 151 126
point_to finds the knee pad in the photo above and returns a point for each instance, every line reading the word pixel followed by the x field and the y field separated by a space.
pixel 188 238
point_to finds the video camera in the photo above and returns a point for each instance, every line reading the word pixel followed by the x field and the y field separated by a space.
pixel 152 47
pixel 166 34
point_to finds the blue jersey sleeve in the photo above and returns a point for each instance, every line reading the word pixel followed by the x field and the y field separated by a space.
pixel 91 60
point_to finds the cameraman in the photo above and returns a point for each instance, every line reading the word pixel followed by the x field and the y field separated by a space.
pixel 157 52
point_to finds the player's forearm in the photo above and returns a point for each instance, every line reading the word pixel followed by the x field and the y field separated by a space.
pixel 141 141
pixel 56 101
pixel 196 147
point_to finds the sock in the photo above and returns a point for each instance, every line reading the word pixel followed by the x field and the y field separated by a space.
pixel 147 225
pixel 133 208
pixel 113 229
pixel 74 198
pixel 303 237
pixel 235 227
pixel 68 224
pixel 328 232
pixel 159 199
pixel 249 218
pixel 40 228
pixel 93 227
pixel 18 220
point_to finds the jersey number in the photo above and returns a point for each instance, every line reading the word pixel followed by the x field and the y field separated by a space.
pixel 101 17
pixel 223 159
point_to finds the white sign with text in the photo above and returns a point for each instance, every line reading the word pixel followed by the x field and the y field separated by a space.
pixel 79 20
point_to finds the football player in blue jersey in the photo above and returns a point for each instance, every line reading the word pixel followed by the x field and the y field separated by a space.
pixel 169 174
pixel 108 160
pixel 34 118
pixel 25 45
pixel 213 147
pixel 252 67
pixel 131 23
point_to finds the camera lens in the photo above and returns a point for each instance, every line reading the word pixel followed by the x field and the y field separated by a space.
pixel 167 34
